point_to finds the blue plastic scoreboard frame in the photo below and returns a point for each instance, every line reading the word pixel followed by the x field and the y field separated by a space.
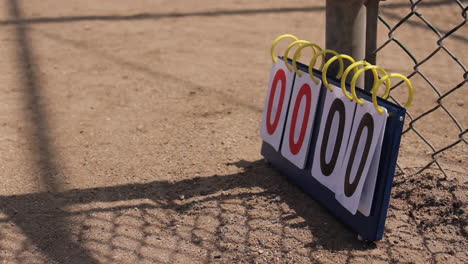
pixel 369 228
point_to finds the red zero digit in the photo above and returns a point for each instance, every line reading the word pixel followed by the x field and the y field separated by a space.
pixel 279 76
pixel 305 90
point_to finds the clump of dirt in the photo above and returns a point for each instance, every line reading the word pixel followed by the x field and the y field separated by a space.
pixel 433 207
pixel 433 201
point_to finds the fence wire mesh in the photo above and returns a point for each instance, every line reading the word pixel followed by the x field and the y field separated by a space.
pixel 427 40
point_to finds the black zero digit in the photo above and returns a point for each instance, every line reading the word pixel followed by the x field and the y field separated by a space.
pixel 366 122
pixel 336 107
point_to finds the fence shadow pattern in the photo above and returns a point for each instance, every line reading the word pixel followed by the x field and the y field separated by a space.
pixel 254 216
pixel 204 219
pixel 416 18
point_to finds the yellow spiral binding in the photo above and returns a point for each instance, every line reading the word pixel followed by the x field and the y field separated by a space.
pixel 298 53
pixel 275 42
pixel 286 52
pixel 386 77
pixel 325 69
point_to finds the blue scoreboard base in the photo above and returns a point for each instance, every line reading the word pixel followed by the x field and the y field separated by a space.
pixel 370 228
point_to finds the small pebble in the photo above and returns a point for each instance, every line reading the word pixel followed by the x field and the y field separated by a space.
pixel 460 102
pixel 181 197
pixel 140 128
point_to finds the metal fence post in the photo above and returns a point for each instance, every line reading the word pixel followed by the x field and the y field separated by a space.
pixel 372 7
pixel 346 29
pixel 351 28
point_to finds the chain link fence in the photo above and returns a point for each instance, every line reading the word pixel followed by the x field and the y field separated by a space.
pixel 427 41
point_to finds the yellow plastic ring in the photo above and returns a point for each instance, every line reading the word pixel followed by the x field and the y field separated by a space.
pixel 345 75
pixel 327 65
pixel 286 52
pixel 314 60
pixel 298 53
pixel 388 84
pixel 386 77
pixel 275 42
pixel 376 77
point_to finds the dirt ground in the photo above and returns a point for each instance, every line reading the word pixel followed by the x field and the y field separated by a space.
pixel 129 133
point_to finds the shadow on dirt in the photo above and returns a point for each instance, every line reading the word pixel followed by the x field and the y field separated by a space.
pixel 241 206
pixel 211 218
pixel 147 16
pixel 48 231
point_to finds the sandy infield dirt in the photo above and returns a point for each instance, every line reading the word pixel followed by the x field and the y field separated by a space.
pixel 129 133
